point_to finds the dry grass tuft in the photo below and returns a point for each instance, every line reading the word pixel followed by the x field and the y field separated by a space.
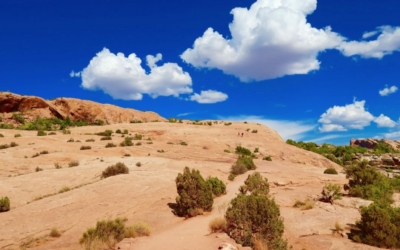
pixel 304 205
pixel 55 233
pixel 217 225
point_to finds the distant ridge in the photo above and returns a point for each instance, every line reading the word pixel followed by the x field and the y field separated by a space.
pixel 32 107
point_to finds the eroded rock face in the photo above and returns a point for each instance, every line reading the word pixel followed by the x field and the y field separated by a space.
pixel 371 143
pixel 32 107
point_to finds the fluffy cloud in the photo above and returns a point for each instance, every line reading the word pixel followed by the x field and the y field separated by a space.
pixel 269 40
pixel 124 77
pixel 351 116
pixel 384 122
pixel 294 130
pixel 342 118
pixel 387 91
pixel 387 42
pixel 209 96
pixel 393 135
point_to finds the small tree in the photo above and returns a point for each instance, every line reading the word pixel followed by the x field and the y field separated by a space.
pixel 4 204
pixel 194 194
pixel 116 169
pixel 255 216
pixel 331 192
pixel 218 187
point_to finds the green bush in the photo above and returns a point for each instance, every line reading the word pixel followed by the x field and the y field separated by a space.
pixel 105 133
pixel 90 140
pixel 116 169
pixel 242 165
pixel 255 216
pixel 41 133
pixel 110 145
pixel 194 194
pixel 254 131
pixel 184 143
pixel 255 184
pixel 105 138
pixel 127 142
pixel 227 151
pixel 137 137
pixel 1 135
pixel 231 177
pixel 267 158
pixel 379 226
pixel 4 204
pixel 218 187
pixel 331 192
pixel 366 182
pixel 17 135
pixel 19 118
pixel 13 144
pixel 54 233
pixel 118 131
pixel 4 146
pixel 73 164
pixel 330 171
pixel 242 151
pixel 86 147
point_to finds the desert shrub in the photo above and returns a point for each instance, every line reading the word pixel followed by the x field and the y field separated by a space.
pixel 138 144
pixel 267 158
pixel 330 171
pixel 379 226
pixel 41 133
pixel 226 151
pixel 255 184
pixel 217 225
pixel 256 150
pixel 105 133
pixel 73 164
pixel 110 145
pixel 228 123
pixel 66 131
pixel 4 204
pixel 127 142
pixel 19 118
pixel 105 138
pixel 231 177
pixel 118 168
pixel 35 155
pixel 4 146
pixel 37 169
pixel 137 121
pixel 137 137
pixel 383 148
pixel 160 151
pixel 71 140
pixel 107 233
pixel 242 151
pixel 138 164
pixel 126 132
pixel 54 233
pixel 86 147
pixel 304 205
pixel 366 182
pixel 218 187
pixel 90 140
pixel 184 143
pixel 139 229
pixel 127 155
pixel 17 135
pixel 57 165
pixel 242 165
pixel 1 135
pixel 118 131
pixel 194 194
pixel 44 152
pixel 255 216
pixel 331 192
pixel 52 133
pixel 254 131
pixel 13 144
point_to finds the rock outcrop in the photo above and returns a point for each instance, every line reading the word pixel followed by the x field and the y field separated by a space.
pixel 371 143
pixel 31 107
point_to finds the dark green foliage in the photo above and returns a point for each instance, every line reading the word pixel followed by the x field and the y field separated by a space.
pixel 255 184
pixel 379 226
pixel 366 182
pixel 218 187
pixel 231 177
pixel 242 165
pixel 86 147
pixel 383 148
pixel 254 131
pixel 331 192
pixel 126 132
pixel 99 123
pixel 184 143
pixel 137 137
pixel 256 150
pixel 194 194
pixel 116 169
pixel 4 146
pixel 118 131
pixel 105 133
pixel 105 138
pixel 41 133
pixel 255 216
pixel 242 151
pixel 17 135
pixel 172 120
pixel 13 144
pixel 330 171
pixel 19 118
pixel 127 142
pixel 110 145
pixel 137 121
pixel 4 204
pixel 90 140
pixel 267 158
pixel 6 126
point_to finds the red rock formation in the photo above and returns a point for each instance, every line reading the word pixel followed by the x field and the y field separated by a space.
pixel 32 107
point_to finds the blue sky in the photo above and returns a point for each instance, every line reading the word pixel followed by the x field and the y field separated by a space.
pixel 324 71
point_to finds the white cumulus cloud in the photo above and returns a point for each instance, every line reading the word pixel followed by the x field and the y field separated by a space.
pixel 351 116
pixel 386 43
pixel 209 96
pixel 393 135
pixel 387 91
pixel 384 122
pixel 271 39
pixel 342 118
pixel 125 78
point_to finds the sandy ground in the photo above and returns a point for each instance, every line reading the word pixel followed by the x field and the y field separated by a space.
pixel 37 205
